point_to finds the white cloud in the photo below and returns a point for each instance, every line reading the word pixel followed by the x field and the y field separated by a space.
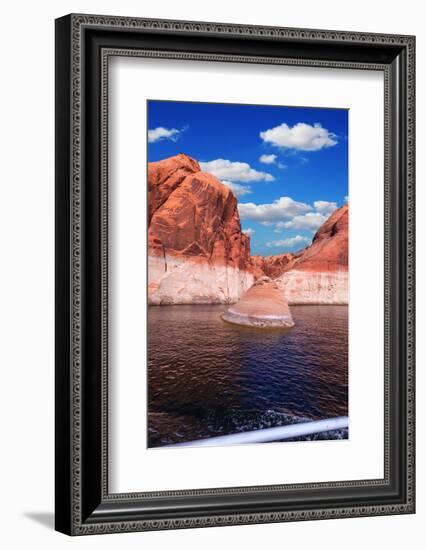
pixel 238 189
pixel 325 207
pixel 290 242
pixel 160 133
pixel 346 198
pixel 282 209
pixel 310 221
pixel 272 159
pixel 268 159
pixel 301 136
pixel 249 231
pixel 234 171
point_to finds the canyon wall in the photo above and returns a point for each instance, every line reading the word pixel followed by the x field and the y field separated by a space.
pixel 271 266
pixel 319 273
pixel 197 252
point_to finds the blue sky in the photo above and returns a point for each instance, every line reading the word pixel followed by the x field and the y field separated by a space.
pixel 288 166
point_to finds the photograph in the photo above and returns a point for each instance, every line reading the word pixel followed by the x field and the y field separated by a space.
pixel 234 305
pixel 248 286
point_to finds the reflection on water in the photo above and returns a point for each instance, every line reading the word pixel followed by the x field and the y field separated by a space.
pixel 209 378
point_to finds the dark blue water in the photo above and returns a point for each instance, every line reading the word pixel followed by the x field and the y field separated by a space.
pixel 209 378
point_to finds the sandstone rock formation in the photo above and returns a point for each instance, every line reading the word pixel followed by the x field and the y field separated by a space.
pixel 197 252
pixel 271 266
pixel 319 273
pixel 262 306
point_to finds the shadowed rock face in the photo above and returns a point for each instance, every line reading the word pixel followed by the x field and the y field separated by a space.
pixel 197 252
pixel 262 306
pixel 319 273
pixel 271 266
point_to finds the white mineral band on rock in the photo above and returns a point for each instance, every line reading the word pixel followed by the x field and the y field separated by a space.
pixel 272 317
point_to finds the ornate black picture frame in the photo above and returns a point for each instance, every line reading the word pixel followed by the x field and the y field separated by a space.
pixel 83 45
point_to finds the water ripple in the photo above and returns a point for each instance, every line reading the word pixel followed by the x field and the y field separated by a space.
pixel 208 378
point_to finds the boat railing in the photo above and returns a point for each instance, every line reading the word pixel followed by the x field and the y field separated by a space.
pixel 278 433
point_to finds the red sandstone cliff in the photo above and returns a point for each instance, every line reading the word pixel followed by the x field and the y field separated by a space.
pixel 319 273
pixel 197 252
pixel 329 248
pixel 271 266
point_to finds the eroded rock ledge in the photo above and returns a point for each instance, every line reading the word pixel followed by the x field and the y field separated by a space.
pixel 262 306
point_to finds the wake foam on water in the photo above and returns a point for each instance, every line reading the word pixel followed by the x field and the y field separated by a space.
pixel 167 428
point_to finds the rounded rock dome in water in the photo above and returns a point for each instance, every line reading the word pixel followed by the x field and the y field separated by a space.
pixel 262 306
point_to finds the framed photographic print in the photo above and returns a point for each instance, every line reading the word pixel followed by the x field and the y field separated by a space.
pixel 234 274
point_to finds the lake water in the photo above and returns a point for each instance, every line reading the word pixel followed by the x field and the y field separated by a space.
pixel 209 378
